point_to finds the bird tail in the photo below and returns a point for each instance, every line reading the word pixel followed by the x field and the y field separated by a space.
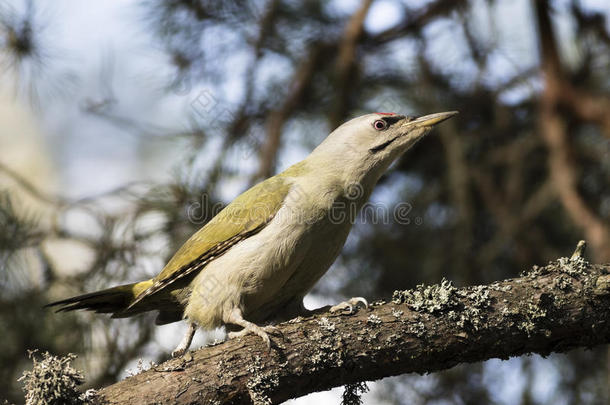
pixel 113 300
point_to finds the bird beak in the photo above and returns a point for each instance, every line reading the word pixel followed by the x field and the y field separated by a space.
pixel 432 119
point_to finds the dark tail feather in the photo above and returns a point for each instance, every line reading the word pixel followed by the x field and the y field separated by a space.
pixel 112 300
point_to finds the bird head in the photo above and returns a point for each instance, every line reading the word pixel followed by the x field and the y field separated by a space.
pixel 367 145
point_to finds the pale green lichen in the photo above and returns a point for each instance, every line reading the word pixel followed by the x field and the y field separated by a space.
pixel 327 345
pixel 574 267
pixel 328 352
pixel 417 328
pixel 566 272
pixel 479 296
pixel 464 306
pixel 431 299
pixel 258 387
pixel 473 315
pixel 563 282
pixel 53 381
pixel 260 383
pixel 533 312
pixel 507 312
pixel 397 313
pixel 225 370
pixel 326 324
pixel 141 367
pixel 373 320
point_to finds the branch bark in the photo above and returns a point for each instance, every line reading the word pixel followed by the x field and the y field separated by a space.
pixel 555 308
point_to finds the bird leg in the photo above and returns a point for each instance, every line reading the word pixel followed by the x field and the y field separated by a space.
pixel 185 343
pixel 235 317
pixel 350 305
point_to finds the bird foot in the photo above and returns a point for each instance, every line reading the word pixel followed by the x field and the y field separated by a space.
pixel 179 351
pixel 186 341
pixel 261 331
pixel 349 305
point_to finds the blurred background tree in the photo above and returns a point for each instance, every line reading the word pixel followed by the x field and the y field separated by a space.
pixel 125 128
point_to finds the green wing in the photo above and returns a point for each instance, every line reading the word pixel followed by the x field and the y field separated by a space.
pixel 243 217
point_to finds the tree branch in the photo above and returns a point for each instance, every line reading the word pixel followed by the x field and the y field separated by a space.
pixel 346 67
pixel 553 129
pixel 277 117
pixel 555 308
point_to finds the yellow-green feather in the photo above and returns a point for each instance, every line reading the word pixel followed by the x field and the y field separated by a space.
pixel 247 212
pixel 244 216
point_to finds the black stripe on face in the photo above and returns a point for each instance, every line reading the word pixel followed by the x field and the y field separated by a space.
pixel 381 147
pixel 392 119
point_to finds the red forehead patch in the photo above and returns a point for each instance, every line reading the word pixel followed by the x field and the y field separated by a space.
pixel 384 113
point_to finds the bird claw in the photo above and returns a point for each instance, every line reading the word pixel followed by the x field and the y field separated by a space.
pixel 261 331
pixel 178 352
pixel 349 305
pixel 186 341
pixel 274 330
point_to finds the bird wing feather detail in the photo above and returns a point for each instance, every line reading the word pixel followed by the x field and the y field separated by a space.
pixel 243 217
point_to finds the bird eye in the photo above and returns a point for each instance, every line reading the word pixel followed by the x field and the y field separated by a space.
pixel 380 125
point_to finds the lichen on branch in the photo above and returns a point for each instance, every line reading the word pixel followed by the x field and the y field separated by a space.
pixel 553 308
